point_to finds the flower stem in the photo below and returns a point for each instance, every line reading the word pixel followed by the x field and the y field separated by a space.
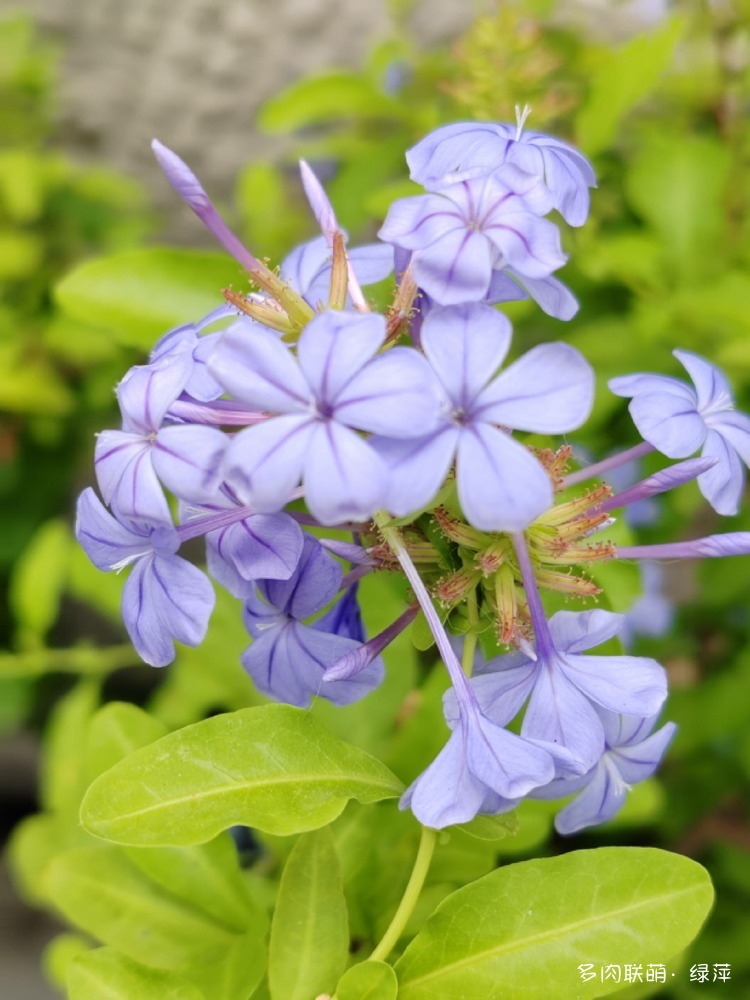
pixel 470 639
pixel 410 896
pixel 613 462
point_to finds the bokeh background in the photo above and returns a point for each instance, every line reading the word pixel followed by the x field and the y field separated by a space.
pixel 657 94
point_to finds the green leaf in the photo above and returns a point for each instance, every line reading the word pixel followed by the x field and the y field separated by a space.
pixel 62 782
pixel 101 891
pixel 117 729
pixel 624 78
pixel 38 579
pixel 522 931
pixel 491 827
pixel 328 97
pixel 106 974
pixel 236 975
pixel 139 294
pixel 368 981
pixel 59 954
pixel 207 877
pixel 271 767
pixel 310 930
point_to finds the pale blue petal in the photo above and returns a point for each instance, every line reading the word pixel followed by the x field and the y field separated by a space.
pixel 257 368
pixel 711 385
pixel 166 598
pixel 303 266
pixel 501 693
pixel 334 346
pixel 454 148
pixel 262 547
pixel 669 422
pixel 643 384
pixel 187 459
pixel 734 427
pixel 639 761
pixel 558 713
pixel 345 479
pixel 104 539
pixel 264 463
pixel 571 195
pixel 506 763
pixel 396 395
pixel 314 582
pixel 599 801
pixel 501 486
pixel 548 390
pixel 724 483
pixel 550 294
pixel 456 268
pixel 147 391
pixel 465 345
pixel 127 479
pixel 447 792
pixel 416 468
pixel 529 245
pixel 575 631
pixel 416 222
pixel 630 685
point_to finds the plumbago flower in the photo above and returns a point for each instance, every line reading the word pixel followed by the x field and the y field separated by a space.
pixel 297 407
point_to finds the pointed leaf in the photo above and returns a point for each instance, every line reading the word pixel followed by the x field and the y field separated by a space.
pixel 272 768
pixel 117 729
pixel 522 931
pixel 239 971
pixel 310 929
pixel 368 981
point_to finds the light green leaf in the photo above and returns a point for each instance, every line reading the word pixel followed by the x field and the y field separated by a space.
pixel 368 981
pixel 271 767
pixel 62 781
pixel 106 974
pixel 38 579
pixel 101 891
pixel 58 955
pixel 310 930
pixel 236 975
pixel 34 843
pixel 115 731
pixel 328 97
pixel 491 827
pixel 139 294
pixel 522 931
pixel 207 877
pixel 624 77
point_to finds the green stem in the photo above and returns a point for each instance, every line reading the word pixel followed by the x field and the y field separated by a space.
pixel 470 638
pixel 410 896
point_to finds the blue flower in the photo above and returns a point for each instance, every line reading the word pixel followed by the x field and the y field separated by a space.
pixel 678 420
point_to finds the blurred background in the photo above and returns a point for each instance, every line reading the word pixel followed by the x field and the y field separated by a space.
pixel 98 258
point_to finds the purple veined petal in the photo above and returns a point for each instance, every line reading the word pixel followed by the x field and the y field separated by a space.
pixel 629 685
pixel 640 760
pixel 303 266
pixel 147 391
pixel 711 386
pixel 344 618
pixel 562 148
pixel 506 763
pixel 501 486
pixel 314 582
pixel 529 245
pixel 561 787
pixel 416 222
pixel 261 547
pixel 188 332
pixel 396 395
pixel 372 262
pixel 108 543
pixel 447 792
pixel 202 385
pixel 522 175
pixel 645 384
pixel 264 463
pixel 319 202
pixel 575 631
pixel 668 422
pixel 334 346
pixel 126 477
pixel 734 427
pixel 559 713
pixel 454 148
pixel 465 345
pixel 267 661
pixel 257 368
pixel 456 268
pixel 563 178
pixel 598 802
pixel 723 484
pixel 187 459
pixel 416 468
pixel 550 294
pixel 623 730
pixel 344 478
pixel 502 691
pixel 548 390
pixel 166 598
pixel 259 618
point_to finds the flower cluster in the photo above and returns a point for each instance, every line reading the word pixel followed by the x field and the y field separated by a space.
pixel 296 407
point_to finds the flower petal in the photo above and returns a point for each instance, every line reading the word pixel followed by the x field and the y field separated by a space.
pixel 529 245
pixel 345 479
pixel 506 763
pixel 574 631
pixel 147 391
pixel 126 477
pixel 264 463
pixel 558 713
pixel 639 761
pixel 187 459
pixel 599 801
pixel 669 422
pixel 416 468
pixel 416 222
pixel 334 346
pixel 106 541
pixel 723 484
pixel 456 267
pixel 257 368
pixel 711 385
pixel 447 792
pixel 630 685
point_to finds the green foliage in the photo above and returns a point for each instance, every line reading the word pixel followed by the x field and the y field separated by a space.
pixel 272 768
pixel 310 933
pixel 106 974
pixel 368 981
pixel 522 931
